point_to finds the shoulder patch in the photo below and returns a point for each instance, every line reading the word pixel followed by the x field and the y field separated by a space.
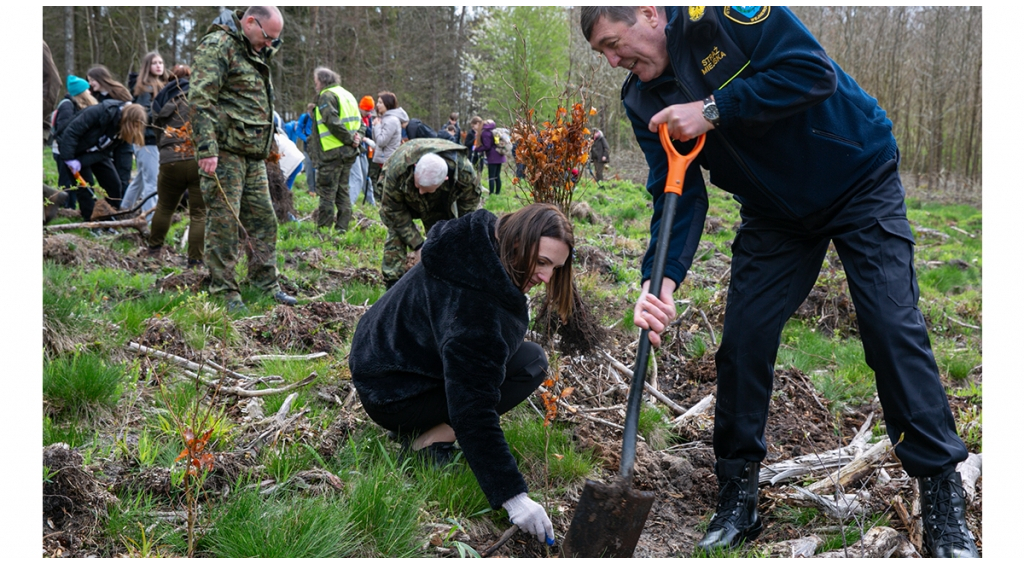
pixel 695 13
pixel 747 15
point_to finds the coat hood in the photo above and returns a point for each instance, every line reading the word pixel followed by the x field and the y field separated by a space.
pixel 398 113
pixel 463 252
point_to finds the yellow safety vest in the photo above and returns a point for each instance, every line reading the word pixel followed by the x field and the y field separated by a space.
pixel 348 112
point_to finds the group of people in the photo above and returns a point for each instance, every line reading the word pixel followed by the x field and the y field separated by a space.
pixel 442 354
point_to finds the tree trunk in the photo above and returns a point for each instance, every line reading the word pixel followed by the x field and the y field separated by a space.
pixel 69 42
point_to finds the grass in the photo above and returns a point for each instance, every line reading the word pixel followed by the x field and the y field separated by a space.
pixel 386 503
pixel 80 383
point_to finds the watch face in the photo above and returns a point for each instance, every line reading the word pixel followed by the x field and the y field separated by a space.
pixel 711 112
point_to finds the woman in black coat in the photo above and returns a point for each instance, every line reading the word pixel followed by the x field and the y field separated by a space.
pixel 93 135
pixel 441 354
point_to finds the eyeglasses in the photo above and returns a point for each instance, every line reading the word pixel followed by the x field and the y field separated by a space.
pixel 274 41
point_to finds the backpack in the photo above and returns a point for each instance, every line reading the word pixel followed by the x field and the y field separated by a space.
pixel 416 129
pixel 53 122
pixel 503 141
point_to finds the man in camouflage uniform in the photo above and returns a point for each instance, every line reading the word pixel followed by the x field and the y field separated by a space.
pixel 232 130
pixel 340 130
pixel 410 190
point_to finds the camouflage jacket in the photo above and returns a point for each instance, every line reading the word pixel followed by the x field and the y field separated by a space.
pixel 402 202
pixel 231 94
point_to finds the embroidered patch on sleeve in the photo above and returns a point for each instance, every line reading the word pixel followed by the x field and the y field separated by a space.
pixel 696 13
pixel 747 15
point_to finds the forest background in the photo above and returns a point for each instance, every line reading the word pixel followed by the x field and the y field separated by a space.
pixel 924 65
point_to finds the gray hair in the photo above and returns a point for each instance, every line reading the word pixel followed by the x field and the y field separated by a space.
pixel 431 170
pixel 589 16
pixel 326 76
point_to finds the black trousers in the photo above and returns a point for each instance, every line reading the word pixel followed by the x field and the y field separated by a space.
pixel 523 373
pixel 776 263
pixel 101 171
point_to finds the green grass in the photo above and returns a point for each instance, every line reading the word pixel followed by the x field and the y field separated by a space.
pixel 285 526
pixel 546 455
pixel 79 383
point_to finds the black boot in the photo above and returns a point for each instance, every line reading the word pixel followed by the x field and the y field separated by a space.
pixel 943 513
pixel 735 519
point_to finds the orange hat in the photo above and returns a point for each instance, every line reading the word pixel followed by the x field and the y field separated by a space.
pixel 366 104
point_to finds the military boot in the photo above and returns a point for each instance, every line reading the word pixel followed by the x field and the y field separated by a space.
pixel 943 513
pixel 735 519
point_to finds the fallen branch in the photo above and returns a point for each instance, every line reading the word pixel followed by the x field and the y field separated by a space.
pixel 796 548
pixel 139 224
pixel 878 542
pixel 854 470
pixel 501 541
pixel 698 409
pixel 242 392
pixel 679 410
pixel 843 508
pixel 207 365
pixel 259 357
pixel 970 471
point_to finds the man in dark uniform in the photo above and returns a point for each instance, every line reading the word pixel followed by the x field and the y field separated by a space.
pixel 812 159
pixel 232 129
pixel 430 179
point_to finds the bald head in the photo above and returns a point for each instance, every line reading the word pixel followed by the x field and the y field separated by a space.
pixel 262 25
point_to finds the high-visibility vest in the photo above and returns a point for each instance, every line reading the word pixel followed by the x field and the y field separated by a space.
pixel 348 112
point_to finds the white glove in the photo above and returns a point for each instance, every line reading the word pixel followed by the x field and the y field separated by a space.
pixel 369 142
pixel 530 517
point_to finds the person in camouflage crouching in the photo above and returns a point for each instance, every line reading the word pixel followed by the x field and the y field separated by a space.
pixel 429 179
pixel 340 130
pixel 232 129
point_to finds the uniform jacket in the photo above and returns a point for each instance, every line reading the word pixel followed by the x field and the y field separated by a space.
pixel 93 133
pixel 796 132
pixel 171 109
pixel 452 321
pixel 401 201
pixel 231 94
pixel 388 135
pixel 487 145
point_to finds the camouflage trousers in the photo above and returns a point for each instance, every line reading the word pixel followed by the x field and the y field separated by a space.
pixel 393 266
pixel 332 188
pixel 239 207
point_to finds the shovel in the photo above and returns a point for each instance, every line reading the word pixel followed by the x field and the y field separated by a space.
pixel 609 518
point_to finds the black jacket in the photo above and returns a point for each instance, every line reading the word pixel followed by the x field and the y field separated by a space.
pixel 453 320
pixel 93 133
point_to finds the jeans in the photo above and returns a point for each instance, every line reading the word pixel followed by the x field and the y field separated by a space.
pixel 147 159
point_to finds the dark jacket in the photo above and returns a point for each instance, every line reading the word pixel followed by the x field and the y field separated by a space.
pixel 796 132
pixel 93 133
pixel 487 145
pixel 171 113
pixel 452 321
pixel 599 151
pixel 146 101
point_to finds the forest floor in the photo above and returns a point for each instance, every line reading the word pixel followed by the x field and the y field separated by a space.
pixel 675 459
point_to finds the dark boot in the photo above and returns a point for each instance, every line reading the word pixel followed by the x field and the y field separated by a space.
pixel 943 513
pixel 735 519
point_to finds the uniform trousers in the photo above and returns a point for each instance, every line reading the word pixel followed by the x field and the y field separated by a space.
pixel 775 265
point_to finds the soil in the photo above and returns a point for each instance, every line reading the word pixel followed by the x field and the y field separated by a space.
pixel 682 475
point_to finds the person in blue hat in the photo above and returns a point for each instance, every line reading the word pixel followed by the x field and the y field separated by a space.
pixel 77 98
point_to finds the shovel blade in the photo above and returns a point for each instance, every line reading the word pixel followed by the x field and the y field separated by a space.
pixel 608 521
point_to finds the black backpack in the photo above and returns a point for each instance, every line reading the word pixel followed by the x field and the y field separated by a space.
pixel 416 129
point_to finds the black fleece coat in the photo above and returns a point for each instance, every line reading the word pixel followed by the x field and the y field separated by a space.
pixel 453 320
pixel 93 133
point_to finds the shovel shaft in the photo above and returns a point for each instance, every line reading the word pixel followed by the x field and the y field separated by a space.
pixel 636 387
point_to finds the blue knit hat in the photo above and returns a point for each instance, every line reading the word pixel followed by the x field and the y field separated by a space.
pixel 76 85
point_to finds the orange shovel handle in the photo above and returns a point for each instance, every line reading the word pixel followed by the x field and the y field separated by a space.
pixel 677 163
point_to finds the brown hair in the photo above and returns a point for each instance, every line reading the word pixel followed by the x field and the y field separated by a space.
pixel 519 236
pixel 181 71
pixel 389 99
pixel 133 124
pixel 84 99
pixel 102 75
pixel 147 81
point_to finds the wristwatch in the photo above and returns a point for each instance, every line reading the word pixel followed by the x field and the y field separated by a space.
pixel 711 111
